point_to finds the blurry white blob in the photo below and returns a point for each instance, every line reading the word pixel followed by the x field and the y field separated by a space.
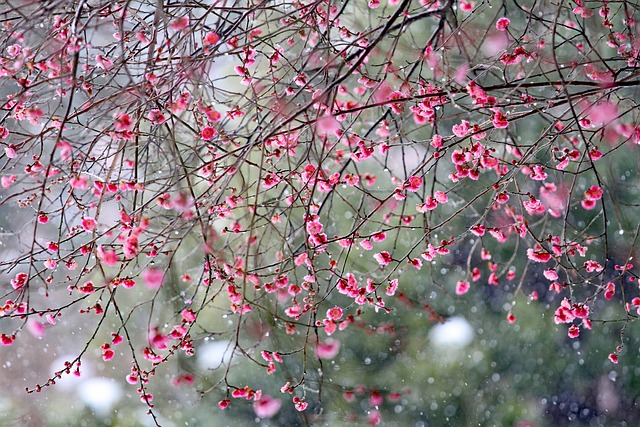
pixel 100 394
pixel 213 354
pixel 454 332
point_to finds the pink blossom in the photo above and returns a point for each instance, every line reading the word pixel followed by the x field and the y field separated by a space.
pixel 538 254
pixel 87 288
pixel 329 326
pixel 564 313
pixel 436 141
pixel 603 113
pixel 478 230
pixel 550 274
pixel 493 279
pixel 105 63
pixel 79 183
pixel 88 223
pixel 582 12
pixel 466 5
pixel 462 129
pixel 379 237
pixel 107 352
pixel 188 316
pixel 334 313
pixel 595 154
pixel 499 120
pixel 35 328
pixel 441 197
pixel 156 117
pixel 211 38
pixel 416 262
pixel 413 183
pixel 10 151
pixel 462 287
pixel 573 331
pixel 393 286
pixel 593 193
pixel 428 205
pixel 7 181
pixel 502 24
pixel 14 50
pixel 6 340
pixel 537 173
pixel 502 198
pixel 270 180
pixel 208 133
pixel 19 281
pixel 179 24
pixel 158 340
pixel 266 406
pixel 374 418
pixel 153 277
pixel 610 290
pixel 123 123
pixel 588 204
pixel 314 227
pixel 299 404
pixel 107 257
pixel 383 258
pixel 303 258
pixel 328 349
pixel 593 266
pixel 327 126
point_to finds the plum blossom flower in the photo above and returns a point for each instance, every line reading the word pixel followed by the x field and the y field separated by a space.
pixel 499 120
pixel 299 404
pixel 334 313
pixel 266 406
pixel 573 331
pixel 593 266
pixel 208 133
pixel 502 24
pixel 462 287
pixel 106 256
pixel 88 223
pixel 461 129
pixel 413 183
pixel 441 197
pixel 593 193
pixel 328 349
pixel 538 254
pixel 123 123
pixel 270 179
pixel 105 63
pixel 383 258
pixel 179 24
pixel 550 274
pixel 466 6
pixel 211 38
pixel 7 181
pixel 393 286
pixel 19 281
pixel 153 277
pixel 610 290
